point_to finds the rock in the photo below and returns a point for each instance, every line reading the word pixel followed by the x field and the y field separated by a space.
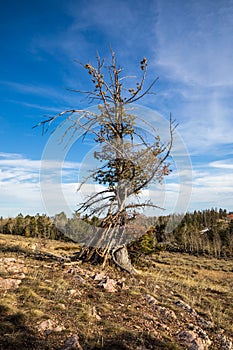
pixel 188 339
pixel 9 283
pixel 203 323
pixel 195 339
pixel 225 342
pixel 46 325
pixel 72 343
pixel 12 266
pixel 185 307
pixel 12 269
pixel 200 320
pixel 108 284
pixel 151 300
pixel 33 246
pixel 165 313
pixel 99 276
pixel 59 329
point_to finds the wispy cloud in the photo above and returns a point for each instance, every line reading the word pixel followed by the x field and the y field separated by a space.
pixel 195 55
pixel 213 185
pixel 22 190
pixel 195 41
pixel 20 183
pixel 96 26
pixel 58 96
pixel 40 106
pixel 17 161
pixel 6 155
pixel 222 164
pixel 206 125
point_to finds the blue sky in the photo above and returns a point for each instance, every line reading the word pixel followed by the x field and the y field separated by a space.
pixel 188 44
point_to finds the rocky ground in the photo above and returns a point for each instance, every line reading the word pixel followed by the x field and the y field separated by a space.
pixel 49 303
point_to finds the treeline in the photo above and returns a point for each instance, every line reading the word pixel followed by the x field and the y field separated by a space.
pixel 201 232
pixel 207 232
pixel 42 226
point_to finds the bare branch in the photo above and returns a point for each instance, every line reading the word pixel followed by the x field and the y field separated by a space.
pixel 133 99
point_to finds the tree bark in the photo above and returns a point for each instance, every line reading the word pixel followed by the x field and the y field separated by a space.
pixel 118 255
pixel 121 258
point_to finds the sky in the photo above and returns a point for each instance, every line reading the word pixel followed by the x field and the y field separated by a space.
pixel 188 45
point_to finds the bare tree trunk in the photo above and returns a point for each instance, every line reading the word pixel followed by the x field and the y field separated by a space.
pixel 121 258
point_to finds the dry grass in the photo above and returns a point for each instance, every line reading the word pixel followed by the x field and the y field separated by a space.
pixel 204 283
pixel 125 319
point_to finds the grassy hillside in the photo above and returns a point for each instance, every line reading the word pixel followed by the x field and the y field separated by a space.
pixel 174 296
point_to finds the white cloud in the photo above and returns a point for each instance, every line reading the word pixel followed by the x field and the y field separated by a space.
pixel 20 186
pixel 206 125
pixel 35 165
pixel 222 164
pixel 10 155
pixel 22 191
pixel 212 186
pixel 195 55
pixel 195 41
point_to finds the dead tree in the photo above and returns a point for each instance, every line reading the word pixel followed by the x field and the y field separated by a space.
pixel 129 159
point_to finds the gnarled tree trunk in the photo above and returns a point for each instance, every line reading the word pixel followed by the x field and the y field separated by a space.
pixel 106 244
pixel 121 258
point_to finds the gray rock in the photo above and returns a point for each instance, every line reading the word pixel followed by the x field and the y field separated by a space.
pixel 185 307
pixel 195 339
pixel 72 343
pixel 200 320
pixel 165 313
pixel 203 323
pixel 12 266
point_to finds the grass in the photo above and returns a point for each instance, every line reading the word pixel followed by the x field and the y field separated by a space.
pixel 125 319
pixel 204 283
